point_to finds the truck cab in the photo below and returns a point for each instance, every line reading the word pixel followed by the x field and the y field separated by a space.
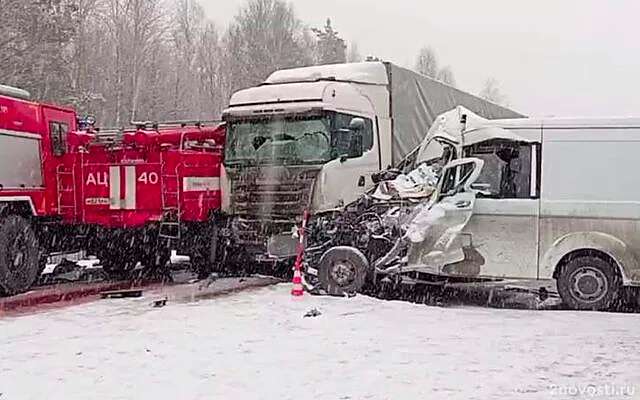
pixel 315 148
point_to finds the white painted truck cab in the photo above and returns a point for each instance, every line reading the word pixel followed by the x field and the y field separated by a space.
pixel 557 198
pixel 312 137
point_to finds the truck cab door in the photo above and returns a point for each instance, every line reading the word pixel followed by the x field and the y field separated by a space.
pixel 348 176
pixel 59 174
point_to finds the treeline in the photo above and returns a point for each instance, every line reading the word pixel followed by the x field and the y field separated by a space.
pixel 128 60
pixel 427 63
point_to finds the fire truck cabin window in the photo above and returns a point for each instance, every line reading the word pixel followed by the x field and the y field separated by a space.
pixel 58 132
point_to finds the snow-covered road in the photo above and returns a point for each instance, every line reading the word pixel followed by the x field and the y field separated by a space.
pixel 257 345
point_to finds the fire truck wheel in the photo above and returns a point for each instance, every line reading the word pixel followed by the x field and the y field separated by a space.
pixel 19 255
pixel 342 270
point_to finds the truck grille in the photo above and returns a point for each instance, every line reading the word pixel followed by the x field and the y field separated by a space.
pixel 266 200
pixel 273 192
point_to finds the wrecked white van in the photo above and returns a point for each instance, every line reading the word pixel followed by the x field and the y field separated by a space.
pixel 524 199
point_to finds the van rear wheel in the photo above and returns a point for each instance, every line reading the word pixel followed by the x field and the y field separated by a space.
pixel 589 283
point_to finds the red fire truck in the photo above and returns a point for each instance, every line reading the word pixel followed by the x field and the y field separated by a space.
pixel 126 196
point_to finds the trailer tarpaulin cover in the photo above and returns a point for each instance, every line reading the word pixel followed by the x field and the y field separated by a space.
pixel 417 100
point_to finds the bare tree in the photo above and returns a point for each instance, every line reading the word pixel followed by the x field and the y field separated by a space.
pixel 118 59
pixel 491 92
pixel 353 54
pixel 265 36
pixel 188 24
pixel 34 45
pixel 427 62
pixel 136 29
pixel 213 90
pixel 87 75
pixel 156 59
pixel 446 75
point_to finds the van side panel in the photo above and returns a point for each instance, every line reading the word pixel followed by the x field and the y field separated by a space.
pixel 590 195
pixel 505 235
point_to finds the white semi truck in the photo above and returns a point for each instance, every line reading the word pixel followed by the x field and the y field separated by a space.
pixel 310 138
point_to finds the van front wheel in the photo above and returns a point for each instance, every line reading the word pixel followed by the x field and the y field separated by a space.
pixel 588 283
pixel 342 270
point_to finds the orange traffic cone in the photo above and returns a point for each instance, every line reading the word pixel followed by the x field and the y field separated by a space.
pixel 297 289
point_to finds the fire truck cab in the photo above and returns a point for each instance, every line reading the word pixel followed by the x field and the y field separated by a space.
pixel 127 196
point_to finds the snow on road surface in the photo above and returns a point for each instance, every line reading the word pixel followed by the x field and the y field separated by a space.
pixel 257 345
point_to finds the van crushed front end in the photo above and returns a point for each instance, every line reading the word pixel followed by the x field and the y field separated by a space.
pixel 411 228
pixel 395 234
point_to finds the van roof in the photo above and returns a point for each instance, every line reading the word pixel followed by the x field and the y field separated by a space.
pixel 570 122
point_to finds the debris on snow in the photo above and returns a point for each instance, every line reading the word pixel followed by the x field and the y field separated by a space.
pixel 550 303
pixel 160 302
pixel 522 298
pixel 119 294
pixel 208 281
pixel 312 313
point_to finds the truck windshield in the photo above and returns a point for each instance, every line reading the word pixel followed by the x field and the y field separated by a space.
pixel 292 140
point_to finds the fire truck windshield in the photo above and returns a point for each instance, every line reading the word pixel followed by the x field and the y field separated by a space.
pixel 286 140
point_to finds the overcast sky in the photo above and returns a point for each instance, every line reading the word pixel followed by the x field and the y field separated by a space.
pixel 550 57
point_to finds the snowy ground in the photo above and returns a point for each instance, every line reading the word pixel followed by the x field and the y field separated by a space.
pixel 257 345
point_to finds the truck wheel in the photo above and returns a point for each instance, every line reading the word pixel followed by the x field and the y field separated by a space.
pixel 19 255
pixel 589 283
pixel 342 270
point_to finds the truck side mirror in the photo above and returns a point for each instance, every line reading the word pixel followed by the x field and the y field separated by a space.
pixel 355 145
pixel 356 127
pixel 351 145
pixel 356 124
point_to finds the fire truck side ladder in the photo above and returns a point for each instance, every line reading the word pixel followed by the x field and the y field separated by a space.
pixel 170 229
pixel 64 189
